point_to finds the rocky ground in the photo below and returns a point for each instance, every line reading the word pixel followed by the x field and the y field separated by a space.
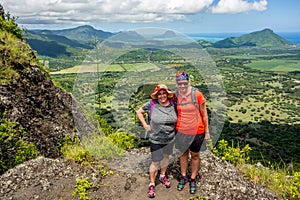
pixel 45 178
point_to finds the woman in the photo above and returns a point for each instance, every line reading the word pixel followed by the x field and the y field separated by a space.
pixel 192 129
pixel 162 133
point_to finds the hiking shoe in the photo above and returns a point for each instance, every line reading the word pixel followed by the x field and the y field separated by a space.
pixel 182 183
pixel 164 180
pixel 151 191
pixel 193 186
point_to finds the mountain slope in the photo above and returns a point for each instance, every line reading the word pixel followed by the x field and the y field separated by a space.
pixel 263 38
pixel 29 97
pixel 48 44
pixel 84 33
pixel 49 36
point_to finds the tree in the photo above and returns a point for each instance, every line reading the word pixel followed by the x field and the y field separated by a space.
pixel 8 23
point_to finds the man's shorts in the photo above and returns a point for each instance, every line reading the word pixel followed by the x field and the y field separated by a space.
pixel 192 142
pixel 158 151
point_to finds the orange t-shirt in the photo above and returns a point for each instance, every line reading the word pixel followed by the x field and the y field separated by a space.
pixel 189 119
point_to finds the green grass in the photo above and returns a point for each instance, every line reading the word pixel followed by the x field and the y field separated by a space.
pixel 279 65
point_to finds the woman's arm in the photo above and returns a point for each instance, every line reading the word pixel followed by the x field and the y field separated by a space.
pixel 204 115
pixel 140 113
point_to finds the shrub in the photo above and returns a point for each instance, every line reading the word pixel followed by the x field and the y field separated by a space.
pixel 232 154
pixel 104 127
pixel 294 188
pixel 77 153
pixel 13 149
pixel 101 147
pixel 81 187
pixel 123 140
pixel 274 178
pixel 91 148
pixel 8 23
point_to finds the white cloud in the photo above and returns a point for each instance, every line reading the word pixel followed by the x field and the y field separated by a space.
pixel 132 11
pixel 238 6
pixel 104 10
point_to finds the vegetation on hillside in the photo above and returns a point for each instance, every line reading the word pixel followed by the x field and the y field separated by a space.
pixel 9 25
pixel 13 149
pixel 15 53
pixel 283 181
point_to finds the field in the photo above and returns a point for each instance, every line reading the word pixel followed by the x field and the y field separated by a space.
pixel 279 65
pixel 85 67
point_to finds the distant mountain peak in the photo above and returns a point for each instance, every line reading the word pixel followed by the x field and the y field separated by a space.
pixel 267 30
pixel 262 38
pixel 86 26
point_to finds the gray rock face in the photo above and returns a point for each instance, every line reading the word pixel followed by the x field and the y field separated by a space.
pixel 44 110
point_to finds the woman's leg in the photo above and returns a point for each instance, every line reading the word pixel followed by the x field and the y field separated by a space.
pixel 195 164
pixel 183 159
pixel 153 171
pixel 164 164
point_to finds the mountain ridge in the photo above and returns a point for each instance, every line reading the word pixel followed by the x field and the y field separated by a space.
pixel 61 42
pixel 80 33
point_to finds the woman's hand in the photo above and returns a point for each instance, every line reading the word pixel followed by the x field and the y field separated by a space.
pixel 147 127
pixel 207 136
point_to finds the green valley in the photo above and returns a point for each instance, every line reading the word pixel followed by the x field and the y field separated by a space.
pixel 261 83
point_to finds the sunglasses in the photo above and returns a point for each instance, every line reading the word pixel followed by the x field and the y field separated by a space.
pixel 182 83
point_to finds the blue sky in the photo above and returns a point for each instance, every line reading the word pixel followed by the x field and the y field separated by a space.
pixel 185 16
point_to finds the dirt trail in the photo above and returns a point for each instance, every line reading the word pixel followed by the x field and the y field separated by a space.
pixel 135 187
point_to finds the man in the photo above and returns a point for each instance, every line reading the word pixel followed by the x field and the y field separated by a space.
pixel 192 128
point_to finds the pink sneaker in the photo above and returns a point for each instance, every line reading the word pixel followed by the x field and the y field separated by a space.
pixel 151 191
pixel 164 180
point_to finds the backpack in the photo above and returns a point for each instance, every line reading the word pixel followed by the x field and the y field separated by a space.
pixel 194 100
